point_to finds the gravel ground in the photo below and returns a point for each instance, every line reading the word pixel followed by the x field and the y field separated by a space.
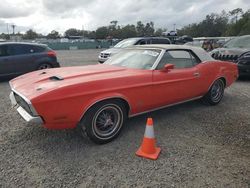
pixel 202 146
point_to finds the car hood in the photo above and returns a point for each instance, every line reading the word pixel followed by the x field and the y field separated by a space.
pixel 40 82
pixel 229 51
pixel 112 51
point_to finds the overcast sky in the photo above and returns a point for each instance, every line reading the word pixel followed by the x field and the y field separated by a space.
pixel 46 15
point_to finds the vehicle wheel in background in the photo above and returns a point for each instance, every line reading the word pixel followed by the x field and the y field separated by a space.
pixel 44 66
pixel 103 122
pixel 215 93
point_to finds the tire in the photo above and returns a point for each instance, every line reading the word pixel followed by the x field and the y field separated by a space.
pixel 103 122
pixel 44 66
pixel 215 93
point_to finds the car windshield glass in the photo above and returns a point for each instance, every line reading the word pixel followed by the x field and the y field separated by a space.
pixel 125 43
pixel 137 59
pixel 239 42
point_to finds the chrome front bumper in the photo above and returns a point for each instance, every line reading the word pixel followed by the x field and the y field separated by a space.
pixel 102 59
pixel 25 115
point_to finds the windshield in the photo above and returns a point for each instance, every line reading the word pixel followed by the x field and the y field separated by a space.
pixel 137 59
pixel 239 42
pixel 125 43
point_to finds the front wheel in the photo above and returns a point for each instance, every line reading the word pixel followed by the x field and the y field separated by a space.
pixel 103 122
pixel 215 93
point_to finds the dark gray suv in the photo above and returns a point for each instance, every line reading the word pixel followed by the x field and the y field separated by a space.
pixel 19 58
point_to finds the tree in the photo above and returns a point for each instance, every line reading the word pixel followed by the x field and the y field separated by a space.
pixel 128 31
pixel 149 29
pixel 235 13
pixel 241 27
pixel 73 32
pixel 145 30
pixel 140 29
pixel 114 23
pixel 102 32
pixel 159 32
pixel 53 35
pixel 4 36
pixel 214 25
pixel 30 34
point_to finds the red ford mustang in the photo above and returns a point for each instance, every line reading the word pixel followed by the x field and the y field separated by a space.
pixel 99 98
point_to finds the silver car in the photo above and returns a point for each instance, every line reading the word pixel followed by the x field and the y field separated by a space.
pixel 104 55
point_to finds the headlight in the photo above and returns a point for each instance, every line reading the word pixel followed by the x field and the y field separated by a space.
pixel 20 101
pixel 245 55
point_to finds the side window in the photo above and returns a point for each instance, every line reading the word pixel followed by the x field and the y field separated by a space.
pixel 20 49
pixel 160 41
pixel 38 49
pixel 3 50
pixel 164 41
pixel 179 58
pixel 155 41
pixel 142 42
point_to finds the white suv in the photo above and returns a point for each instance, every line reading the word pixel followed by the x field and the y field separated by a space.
pixel 104 55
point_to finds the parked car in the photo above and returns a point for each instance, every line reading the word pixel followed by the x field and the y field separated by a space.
pixel 104 55
pixel 98 98
pixel 19 58
pixel 236 50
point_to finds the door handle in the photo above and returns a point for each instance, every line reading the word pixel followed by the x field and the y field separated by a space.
pixel 196 74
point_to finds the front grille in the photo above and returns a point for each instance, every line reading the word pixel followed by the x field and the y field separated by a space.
pixel 104 55
pixel 225 57
pixel 21 102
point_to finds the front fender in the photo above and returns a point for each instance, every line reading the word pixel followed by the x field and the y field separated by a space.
pixel 103 97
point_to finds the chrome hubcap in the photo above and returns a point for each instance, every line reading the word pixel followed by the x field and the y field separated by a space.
pixel 217 91
pixel 107 121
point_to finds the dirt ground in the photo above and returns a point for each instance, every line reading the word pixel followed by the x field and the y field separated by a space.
pixel 202 146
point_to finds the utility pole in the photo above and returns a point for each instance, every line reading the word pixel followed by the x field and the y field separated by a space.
pixel 82 31
pixel 8 29
pixel 174 26
pixel 13 27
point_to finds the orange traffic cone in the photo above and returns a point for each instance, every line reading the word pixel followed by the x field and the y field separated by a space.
pixel 148 148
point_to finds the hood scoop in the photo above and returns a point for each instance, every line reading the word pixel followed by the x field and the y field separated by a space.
pixel 56 78
pixel 42 73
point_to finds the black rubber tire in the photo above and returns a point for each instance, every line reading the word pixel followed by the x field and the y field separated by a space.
pixel 214 100
pixel 44 66
pixel 88 126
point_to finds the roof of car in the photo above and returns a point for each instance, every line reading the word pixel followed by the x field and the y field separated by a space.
pixel 147 38
pixel 200 52
pixel 27 43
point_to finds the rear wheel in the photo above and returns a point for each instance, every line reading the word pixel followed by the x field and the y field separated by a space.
pixel 215 93
pixel 104 121
pixel 44 66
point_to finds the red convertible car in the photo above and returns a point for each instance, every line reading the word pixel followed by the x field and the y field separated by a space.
pixel 98 98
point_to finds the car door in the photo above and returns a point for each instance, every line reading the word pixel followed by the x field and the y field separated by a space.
pixel 179 84
pixel 21 56
pixel 5 65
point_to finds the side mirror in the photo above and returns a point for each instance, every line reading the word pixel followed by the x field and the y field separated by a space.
pixel 168 67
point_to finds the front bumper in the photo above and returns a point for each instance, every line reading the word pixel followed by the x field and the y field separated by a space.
pixel 102 59
pixel 244 70
pixel 56 64
pixel 25 115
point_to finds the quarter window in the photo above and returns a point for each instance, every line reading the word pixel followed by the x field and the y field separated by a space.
pixel 142 42
pixel 179 58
